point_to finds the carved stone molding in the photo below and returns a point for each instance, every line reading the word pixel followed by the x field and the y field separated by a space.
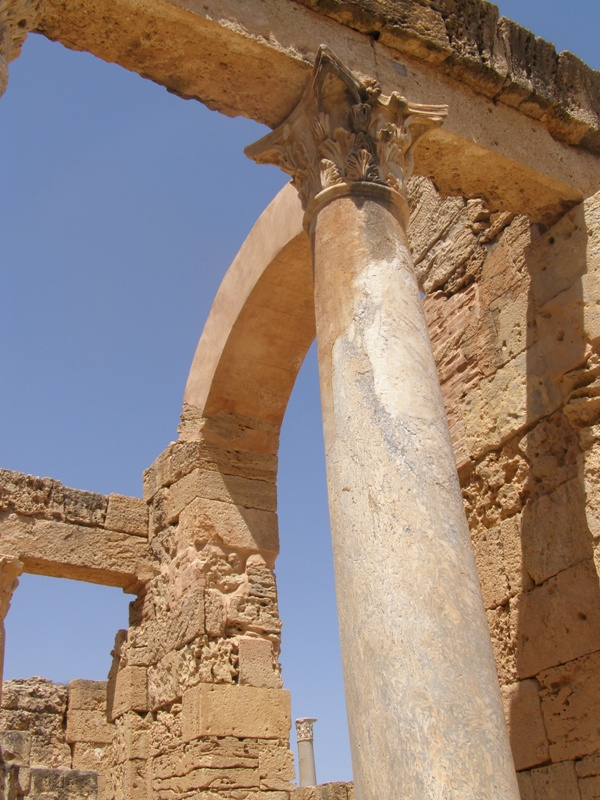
pixel 304 729
pixel 17 18
pixel 10 569
pixel 345 137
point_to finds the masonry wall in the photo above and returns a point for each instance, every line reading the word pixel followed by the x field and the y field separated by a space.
pixel 54 740
pixel 513 314
pixel 195 689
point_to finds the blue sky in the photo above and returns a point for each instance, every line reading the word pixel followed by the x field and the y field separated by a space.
pixel 121 209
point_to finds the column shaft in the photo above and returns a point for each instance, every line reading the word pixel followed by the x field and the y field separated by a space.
pixel 424 707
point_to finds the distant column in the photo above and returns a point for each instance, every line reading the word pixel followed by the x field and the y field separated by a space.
pixel 307 775
pixel 10 569
pixel 424 707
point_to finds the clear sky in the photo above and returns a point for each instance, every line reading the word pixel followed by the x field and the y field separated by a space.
pixel 121 208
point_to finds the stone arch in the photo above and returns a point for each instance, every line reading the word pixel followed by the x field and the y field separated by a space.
pixel 257 334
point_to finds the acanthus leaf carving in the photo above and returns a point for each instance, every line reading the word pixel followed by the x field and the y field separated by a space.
pixel 346 132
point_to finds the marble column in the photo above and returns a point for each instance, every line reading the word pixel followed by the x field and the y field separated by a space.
pixel 422 696
pixel 10 569
pixel 307 774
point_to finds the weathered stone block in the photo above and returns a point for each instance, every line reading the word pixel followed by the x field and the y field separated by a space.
pixel 558 621
pixel 588 767
pixel 242 711
pixel 231 525
pixel 130 692
pixel 589 788
pixel 555 782
pixel 487 547
pixel 127 515
pixel 503 645
pixel 276 764
pixel 80 785
pixel 213 485
pixel 88 726
pixel 15 747
pixel 89 756
pixel 525 724
pixel 35 695
pixel 87 695
pixel 84 508
pixel 554 534
pixel 571 708
pixel 256 663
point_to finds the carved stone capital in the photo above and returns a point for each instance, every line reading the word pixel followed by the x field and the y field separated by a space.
pixel 304 729
pixel 17 18
pixel 344 137
pixel 10 569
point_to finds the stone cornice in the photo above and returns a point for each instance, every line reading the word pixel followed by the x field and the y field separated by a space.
pixel 468 41
pixel 344 137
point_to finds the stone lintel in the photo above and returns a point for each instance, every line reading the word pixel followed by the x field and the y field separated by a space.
pixel 252 59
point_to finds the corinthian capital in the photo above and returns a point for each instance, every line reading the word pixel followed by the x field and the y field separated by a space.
pixel 17 18
pixel 345 137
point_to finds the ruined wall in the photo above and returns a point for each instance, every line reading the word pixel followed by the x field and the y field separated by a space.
pixel 513 314
pixel 53 740
pixel 195 689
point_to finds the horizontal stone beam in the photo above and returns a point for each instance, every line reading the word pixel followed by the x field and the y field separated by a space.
pixel 253 58
pixel 68 533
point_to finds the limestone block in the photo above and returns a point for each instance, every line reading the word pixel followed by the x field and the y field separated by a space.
pixel 182 457
pixel 231 525
pixel 30 496
pixel 554 532
pixel 552 450
pixel 589 788
pixel 256 663
pixel 213 485
pixel 127 515
pixel 88 726
pixel 215 614
pixel 555 782
pixel 165 732
pixel 132 737
pixel 46 781
pixel 206 764
pixel 525 724
pixel 197 779
pixel 571 708
pixel 89 756
pixel 556 260
pixel 136 780
pixel 557 621
pixel 518 578
pixel 242 711
pixel 276 764
pixel 526 789
pixel 79 552
pixel 130 692
pixel 487 547
pixel 34 695
pixel 503 644
pixel 519 393
pixel 84 508
pixel 588 767
pixel 87 695
pixel 15 747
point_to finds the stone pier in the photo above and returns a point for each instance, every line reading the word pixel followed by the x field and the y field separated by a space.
pixel 423 702
pixel 10 569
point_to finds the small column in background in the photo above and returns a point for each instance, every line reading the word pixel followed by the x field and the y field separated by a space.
pixel 306 755
pixel 10 569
